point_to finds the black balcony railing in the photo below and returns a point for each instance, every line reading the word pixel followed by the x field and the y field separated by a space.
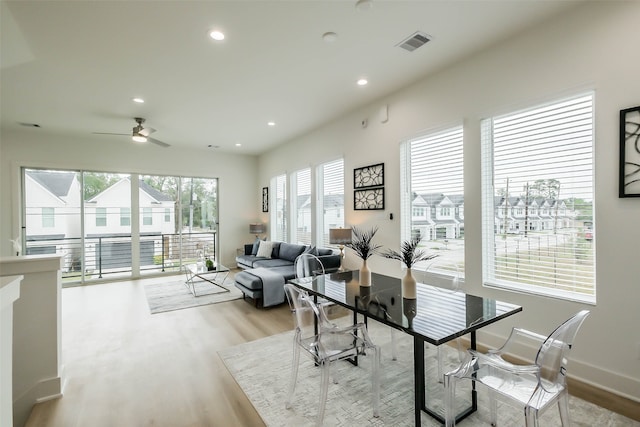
pixel 97 257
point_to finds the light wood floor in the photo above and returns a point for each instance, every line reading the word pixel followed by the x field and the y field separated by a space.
pixel 125 367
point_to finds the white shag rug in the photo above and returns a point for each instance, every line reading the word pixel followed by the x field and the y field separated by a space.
pixel 174 295
pixel 262 370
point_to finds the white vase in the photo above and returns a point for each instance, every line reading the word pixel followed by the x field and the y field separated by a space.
pixel 408 285
pixel 365 274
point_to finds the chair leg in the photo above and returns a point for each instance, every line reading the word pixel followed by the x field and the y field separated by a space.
pixel 294 373
pixel 493 409
pixel 394 349
pixel 440 370
pixel 375 374
pixel 324 388
pixel 563 405
pixel 531 417
pixel 449 400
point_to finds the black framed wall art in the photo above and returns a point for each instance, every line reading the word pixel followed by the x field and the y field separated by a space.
pixel 369 176
pixel 265 199
pixel 370 199
pixel 629 184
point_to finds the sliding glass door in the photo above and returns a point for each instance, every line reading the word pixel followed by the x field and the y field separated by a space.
pixel 105 230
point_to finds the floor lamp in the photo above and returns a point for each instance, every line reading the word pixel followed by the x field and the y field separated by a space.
pixel 340 237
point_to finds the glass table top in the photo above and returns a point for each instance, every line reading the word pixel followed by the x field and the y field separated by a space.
pixel 438 315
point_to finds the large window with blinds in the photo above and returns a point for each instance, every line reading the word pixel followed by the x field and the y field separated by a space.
pixel 538 211
pixel 301 207
pixel 432 188
pixel 330 199
pixel 279 208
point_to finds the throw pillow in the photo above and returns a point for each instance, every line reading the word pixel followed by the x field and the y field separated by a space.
pixel 311 250
pixel 254 249
pixel 265 248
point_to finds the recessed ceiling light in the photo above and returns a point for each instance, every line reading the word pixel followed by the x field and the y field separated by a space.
pixel 362 82
pixel 271 123
pixel 138 100
pixel 363 5
pixel 216 35
pixel 329 37
pixel 238 145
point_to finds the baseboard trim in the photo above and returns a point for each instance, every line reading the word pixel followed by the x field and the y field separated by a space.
pixel 46 389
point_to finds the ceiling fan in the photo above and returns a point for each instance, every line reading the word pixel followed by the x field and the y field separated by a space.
pixel 139 133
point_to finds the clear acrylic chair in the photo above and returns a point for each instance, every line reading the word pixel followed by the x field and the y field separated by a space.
pixel 536 387
pixel 330 344
pixel 446 276
pixel 308 265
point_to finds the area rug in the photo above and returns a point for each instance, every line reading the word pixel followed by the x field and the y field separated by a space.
pixel 174 295
pixel 262 369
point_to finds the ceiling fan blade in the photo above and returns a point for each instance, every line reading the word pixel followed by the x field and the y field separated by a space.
pixel 109 133
pixel 147 131
pixel 160 143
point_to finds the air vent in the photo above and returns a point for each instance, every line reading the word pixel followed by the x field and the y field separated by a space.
pixel 29 125
pixel 414 41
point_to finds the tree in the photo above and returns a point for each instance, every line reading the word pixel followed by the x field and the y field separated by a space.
pixel 96 182
pixel 547 188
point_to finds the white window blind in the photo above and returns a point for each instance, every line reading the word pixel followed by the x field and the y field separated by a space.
pixel 433 194
pixel 331 198
pixel 279 208
pixel 301 186
pixel 538 222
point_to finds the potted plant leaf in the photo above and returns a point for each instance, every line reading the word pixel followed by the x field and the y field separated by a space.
pixel 209 264
pixel 409 255
pixel 364 248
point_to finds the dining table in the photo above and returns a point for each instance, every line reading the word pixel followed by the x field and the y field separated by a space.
pixel 432 315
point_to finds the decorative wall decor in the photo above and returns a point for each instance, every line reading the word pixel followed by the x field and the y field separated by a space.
pixel 367 200
pixel 629 152
pixel 369 176
pixel 265 199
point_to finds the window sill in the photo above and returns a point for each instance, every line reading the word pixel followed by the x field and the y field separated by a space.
pixel 543 292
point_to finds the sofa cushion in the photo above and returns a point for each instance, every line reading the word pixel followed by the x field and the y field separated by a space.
pixel 324 252
pixel 271 262
pixel 311 250
pixel 247 260
pixel 290 251
pixel 265 249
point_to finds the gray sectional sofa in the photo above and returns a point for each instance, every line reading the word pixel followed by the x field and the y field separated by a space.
pixel 280 266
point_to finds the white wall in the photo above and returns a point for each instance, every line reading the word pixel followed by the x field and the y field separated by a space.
pixel 239 194
pixel 594 47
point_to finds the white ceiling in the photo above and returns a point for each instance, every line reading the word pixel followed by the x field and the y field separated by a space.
pixel 73 66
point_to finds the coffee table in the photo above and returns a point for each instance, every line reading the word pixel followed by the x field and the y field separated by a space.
pixel 197 270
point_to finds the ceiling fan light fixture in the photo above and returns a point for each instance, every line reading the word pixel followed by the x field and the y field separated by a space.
pixel 139 138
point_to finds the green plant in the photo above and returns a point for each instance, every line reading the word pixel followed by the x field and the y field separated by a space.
pixel 361 243
pixel 409 253
pixel 209 263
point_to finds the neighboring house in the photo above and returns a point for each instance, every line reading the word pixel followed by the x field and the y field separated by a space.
pixel 53 212
pixel 108 212
pixel 436 216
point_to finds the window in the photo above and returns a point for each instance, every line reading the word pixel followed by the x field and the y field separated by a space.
pixel 147 218
pixel 101 217
pixel 432 187
pixel 301 212
pixel 279 208
pixel 330 203
pixel 540 157
pixel 125 217
pixel 167 215
pixel 48 217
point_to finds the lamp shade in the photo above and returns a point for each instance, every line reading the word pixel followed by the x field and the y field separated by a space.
pixel 257 228
pixel 339 236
